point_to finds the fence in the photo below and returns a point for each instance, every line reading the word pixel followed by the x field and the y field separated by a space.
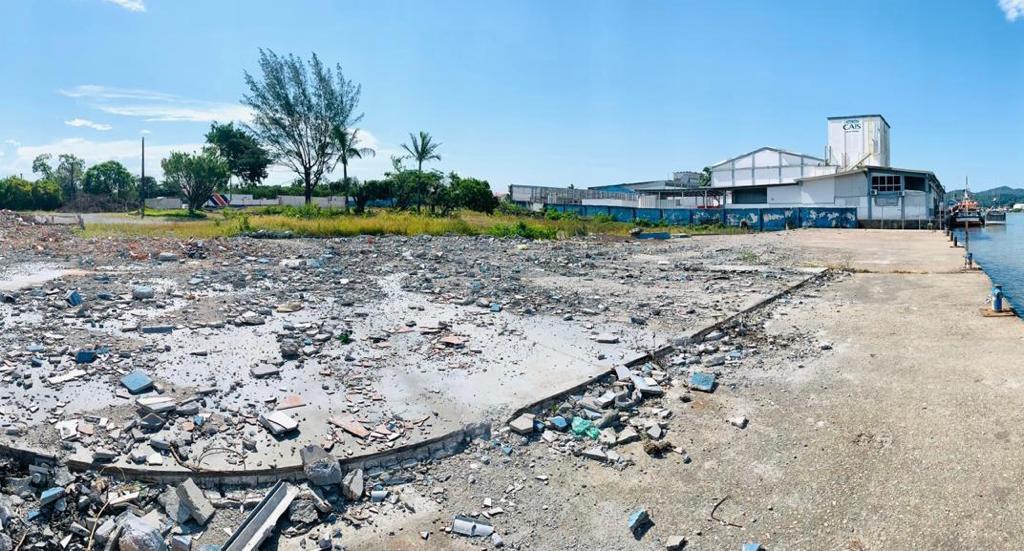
pixel 759 219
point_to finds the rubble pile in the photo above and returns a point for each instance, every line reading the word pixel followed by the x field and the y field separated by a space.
pixel 254 353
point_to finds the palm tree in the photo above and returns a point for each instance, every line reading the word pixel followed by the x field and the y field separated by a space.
pixel 348 147
pixel 423 148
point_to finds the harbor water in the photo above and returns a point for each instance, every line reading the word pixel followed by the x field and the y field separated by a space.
pixel 999 249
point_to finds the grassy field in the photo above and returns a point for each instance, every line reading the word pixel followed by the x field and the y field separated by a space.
pixel 304 223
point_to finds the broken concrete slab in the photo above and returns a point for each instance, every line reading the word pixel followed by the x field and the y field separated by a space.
pixel 352 485
pixel 195 500
pixel 523 424
pixel 321 468
pixel 704 382
pixel 143 292
pixel 638 522
pixel 137 382
pixel 278 422
pixel 351 426
pixel 675 543
pixel 138 534
pixel 264 370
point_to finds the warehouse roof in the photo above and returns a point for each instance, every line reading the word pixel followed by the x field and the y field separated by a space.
pixel 766 148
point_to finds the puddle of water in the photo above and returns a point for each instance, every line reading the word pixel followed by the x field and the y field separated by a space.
pixel 30 275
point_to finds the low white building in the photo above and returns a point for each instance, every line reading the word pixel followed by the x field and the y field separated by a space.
pixel 856 173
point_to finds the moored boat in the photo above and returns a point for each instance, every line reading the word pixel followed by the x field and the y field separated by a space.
pixel 995 216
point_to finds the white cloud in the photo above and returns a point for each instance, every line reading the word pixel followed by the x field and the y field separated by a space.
pixel 156 106
pixel 1013 9
pixel 127 152
pixel 88 124
pixel 144 132
pixel 130 5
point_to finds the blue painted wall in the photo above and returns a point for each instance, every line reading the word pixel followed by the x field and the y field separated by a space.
pixel 756 219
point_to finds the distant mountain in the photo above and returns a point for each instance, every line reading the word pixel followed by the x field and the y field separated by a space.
pixel 1002 196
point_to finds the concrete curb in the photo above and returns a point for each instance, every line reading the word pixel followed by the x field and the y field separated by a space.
pixel 665 350
pixel 408 455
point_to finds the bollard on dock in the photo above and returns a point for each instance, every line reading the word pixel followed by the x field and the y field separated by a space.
pixel 997 298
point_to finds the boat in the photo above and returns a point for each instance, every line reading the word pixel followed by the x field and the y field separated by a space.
pixel 966 212
pixel 995 216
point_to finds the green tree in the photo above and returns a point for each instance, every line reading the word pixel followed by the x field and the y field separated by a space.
pixel 422 148
pixel 46 195
pixel 473 194
pixel 347 142
pixel 69 174
pixel 371 190
pixel 15 193
pixel 295 108
pixel 246 158
pixel 197 175
pixel 109 178
pixel 41 165
pixel 704 180
pixel 147 186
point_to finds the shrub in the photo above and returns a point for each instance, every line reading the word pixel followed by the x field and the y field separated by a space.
pixel 511 209
pixel 522 229
pixel 46 195
pixel 16 194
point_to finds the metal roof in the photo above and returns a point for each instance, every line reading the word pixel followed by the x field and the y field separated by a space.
pixel 767 148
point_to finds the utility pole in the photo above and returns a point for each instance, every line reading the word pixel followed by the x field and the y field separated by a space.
pixel 142 182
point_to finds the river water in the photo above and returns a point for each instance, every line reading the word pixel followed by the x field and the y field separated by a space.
pixel 1000 251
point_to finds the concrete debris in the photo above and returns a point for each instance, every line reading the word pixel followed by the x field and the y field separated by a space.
pixel 704 382
pixel 523 424
pixel 352 485
pixel 143 292
pixel 470 527
pixel 638 521
pixel 138 534
pixel 195 501
pixel 321 468
pixel 278 423
pixel 675 543
pixel 137 382
pixel 378 347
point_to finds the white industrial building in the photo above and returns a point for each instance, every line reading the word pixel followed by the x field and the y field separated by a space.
pixel 855 173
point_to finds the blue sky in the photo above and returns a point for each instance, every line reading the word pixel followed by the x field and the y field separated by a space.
pixel 533 92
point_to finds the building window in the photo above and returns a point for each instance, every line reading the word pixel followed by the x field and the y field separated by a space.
pixel 914 183
pixel 752 196
pixel 885 184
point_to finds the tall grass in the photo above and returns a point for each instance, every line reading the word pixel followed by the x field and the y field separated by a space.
pixel 316 222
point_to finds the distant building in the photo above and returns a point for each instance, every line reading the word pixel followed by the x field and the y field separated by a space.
pixel 855 173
